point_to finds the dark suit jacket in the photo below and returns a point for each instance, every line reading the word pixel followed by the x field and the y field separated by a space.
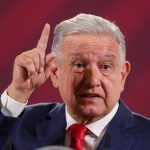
pixel 44 124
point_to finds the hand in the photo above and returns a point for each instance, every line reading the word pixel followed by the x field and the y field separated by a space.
pixel 31 69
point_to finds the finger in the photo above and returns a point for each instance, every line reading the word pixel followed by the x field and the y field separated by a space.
pixel 42 43
pixel 27 63
pixel 42 62
pixel 35 58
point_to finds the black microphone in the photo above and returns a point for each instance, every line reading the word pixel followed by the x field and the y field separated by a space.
pixel 8 145
pixel 107 142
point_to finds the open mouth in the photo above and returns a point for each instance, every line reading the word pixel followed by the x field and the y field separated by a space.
pixel 89 95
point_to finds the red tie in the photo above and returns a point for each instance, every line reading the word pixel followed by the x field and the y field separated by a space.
pixel 77 132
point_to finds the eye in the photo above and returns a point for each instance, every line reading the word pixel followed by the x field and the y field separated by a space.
pixel 79 67
pixel 105 66
pixel 106 69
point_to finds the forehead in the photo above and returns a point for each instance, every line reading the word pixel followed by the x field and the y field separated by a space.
pixel 95 44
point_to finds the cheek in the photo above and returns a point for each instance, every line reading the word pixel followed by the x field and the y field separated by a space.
pixel 65 83
pixel 68 85
pixel 77 81
pixel 112 87
pixel 115 82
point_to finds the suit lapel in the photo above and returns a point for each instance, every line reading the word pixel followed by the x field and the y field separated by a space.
pixel 119 130
pixel 51 131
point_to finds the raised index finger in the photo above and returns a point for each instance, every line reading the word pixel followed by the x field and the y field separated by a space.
pixel 42 43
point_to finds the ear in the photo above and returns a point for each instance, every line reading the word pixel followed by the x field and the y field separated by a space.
pixel 54 72
pixel 124 73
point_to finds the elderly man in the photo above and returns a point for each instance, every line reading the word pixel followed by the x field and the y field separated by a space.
pixel 88 66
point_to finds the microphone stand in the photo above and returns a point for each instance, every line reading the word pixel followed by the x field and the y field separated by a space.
pixel 107 142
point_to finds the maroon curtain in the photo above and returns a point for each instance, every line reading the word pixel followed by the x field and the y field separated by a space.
pixel 21 22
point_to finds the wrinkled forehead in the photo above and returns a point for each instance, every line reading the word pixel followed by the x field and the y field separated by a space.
pixel 86 41
pixel 85 45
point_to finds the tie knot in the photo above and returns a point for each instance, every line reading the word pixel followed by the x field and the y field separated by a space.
pixel 77 131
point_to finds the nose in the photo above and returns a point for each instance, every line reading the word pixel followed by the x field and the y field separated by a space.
pixel 93 77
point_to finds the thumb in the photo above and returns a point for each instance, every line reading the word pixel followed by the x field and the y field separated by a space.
pixel 48 62
pixel 49 58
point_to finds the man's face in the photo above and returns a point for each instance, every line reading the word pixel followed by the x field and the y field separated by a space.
pixel 90 77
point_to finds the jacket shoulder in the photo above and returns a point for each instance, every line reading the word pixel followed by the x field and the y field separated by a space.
pixel 41 110
pixel 141 121
pixel 43 106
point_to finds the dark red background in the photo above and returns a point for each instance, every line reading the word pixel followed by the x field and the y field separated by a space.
pixel 21 22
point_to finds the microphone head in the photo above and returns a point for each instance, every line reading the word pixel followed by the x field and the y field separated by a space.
pixel 107 141
pixel 54 148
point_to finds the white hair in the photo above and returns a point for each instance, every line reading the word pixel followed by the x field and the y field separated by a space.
pixel 90 24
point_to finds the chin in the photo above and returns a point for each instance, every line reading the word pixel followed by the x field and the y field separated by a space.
pixel 92 112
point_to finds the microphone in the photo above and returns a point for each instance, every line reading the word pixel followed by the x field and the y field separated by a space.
pixel 8 145
pixel 54 147
pixel 107 142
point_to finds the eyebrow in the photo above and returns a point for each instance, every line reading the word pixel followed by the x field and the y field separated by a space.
pixel 75 55
pixel 109 56
pixel 78 55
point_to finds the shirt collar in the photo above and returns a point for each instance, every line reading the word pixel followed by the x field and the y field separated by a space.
pixel 95 127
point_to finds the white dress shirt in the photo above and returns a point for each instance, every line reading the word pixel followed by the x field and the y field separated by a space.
pixel 96 130
pixel 10 107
